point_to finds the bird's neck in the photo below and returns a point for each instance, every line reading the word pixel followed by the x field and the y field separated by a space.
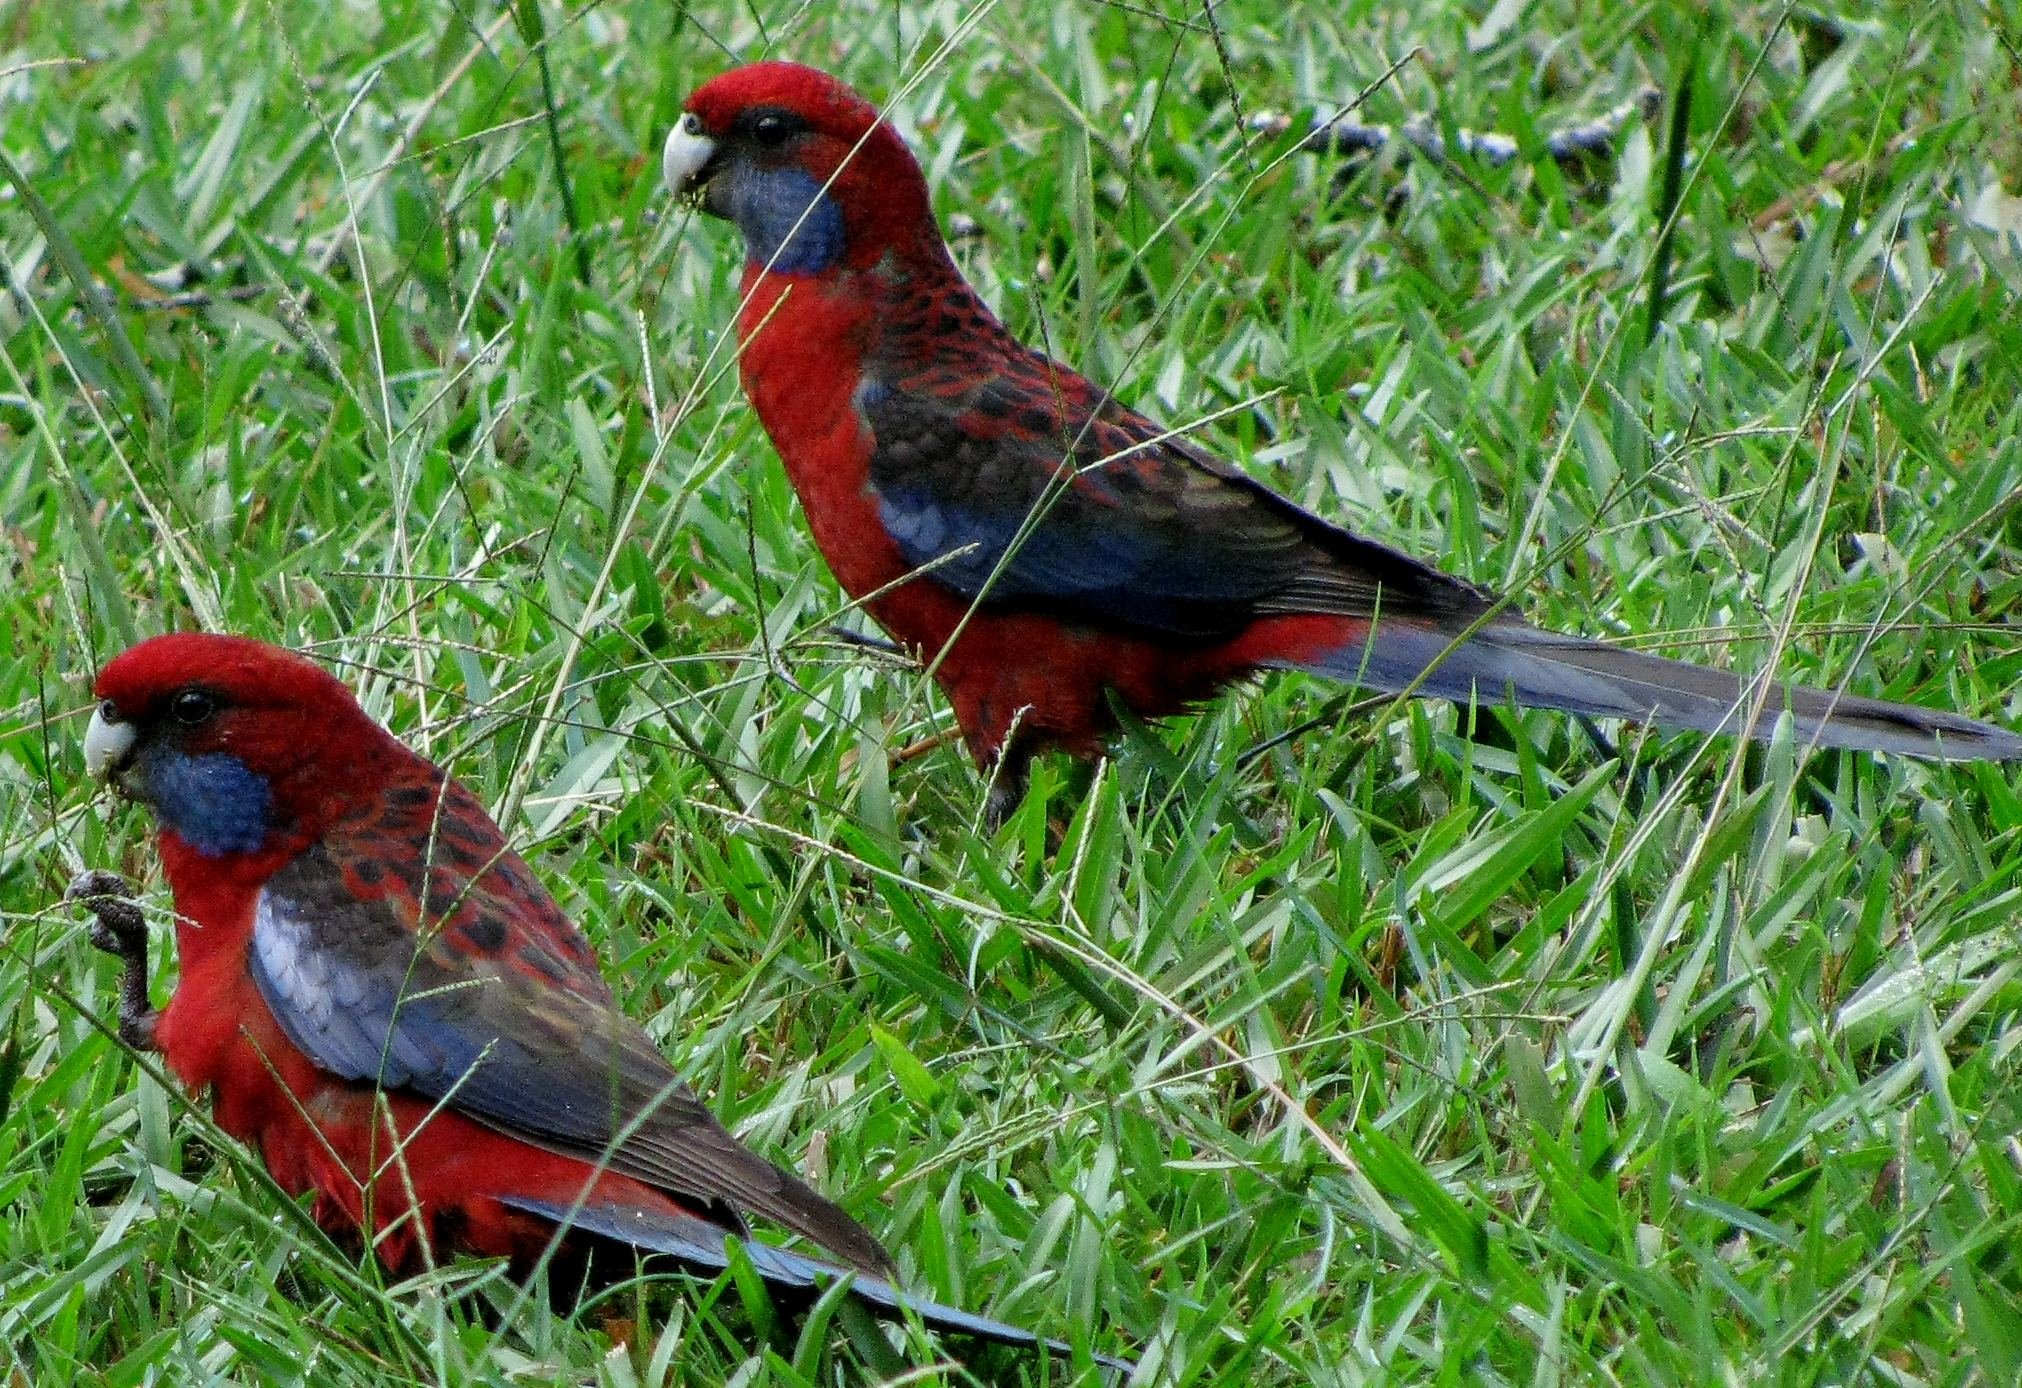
pixel 214 896
pixel 888 320
pixel 803 341
pixel 929 314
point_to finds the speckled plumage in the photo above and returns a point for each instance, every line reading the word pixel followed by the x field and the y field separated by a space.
pixel 1044 547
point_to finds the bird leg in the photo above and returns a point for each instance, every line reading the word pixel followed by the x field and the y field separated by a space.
pixel 1009 776
pixel 118 928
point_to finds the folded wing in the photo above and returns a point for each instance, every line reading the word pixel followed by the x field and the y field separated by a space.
pixel 370 995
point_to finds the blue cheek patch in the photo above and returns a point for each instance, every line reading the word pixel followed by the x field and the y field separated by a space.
pixel 771 205
pixel 213 802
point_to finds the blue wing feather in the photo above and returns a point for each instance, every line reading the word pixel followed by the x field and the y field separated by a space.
pixel 1035 491
pixel 1059 560
pixel 361 989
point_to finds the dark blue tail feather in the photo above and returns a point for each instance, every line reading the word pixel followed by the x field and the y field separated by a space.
pixel 700 1245
pixel 1513 661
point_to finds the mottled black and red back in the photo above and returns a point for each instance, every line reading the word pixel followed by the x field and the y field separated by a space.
pixel 1048 550
pixel 427 845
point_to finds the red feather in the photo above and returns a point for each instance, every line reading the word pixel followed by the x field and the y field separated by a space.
pixel 1044 547
pixel 383 1003
pixel 346 788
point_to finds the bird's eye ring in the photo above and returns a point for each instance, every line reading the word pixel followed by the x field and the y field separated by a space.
pixel 192 706
pixel 771 130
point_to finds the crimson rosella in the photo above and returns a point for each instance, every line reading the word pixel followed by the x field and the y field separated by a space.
pixel 1045 548
pixel 388 1008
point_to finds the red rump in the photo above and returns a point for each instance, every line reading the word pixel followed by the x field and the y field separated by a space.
pixel 1043 546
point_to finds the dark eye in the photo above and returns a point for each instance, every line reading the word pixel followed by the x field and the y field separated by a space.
pixel 192 706
pixel 771 130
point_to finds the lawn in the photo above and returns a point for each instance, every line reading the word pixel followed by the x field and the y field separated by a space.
pixel 1300 1042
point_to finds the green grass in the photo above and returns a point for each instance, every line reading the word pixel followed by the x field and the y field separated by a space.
pixel 1384 1054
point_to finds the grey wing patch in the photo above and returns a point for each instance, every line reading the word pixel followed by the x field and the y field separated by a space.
pixel 916 526
pixel 1339 572
pixel 368 999
pixel 346 982
pixel 1080 517
pixel 340 1011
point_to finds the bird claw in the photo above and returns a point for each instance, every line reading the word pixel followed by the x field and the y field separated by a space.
pixel 118 928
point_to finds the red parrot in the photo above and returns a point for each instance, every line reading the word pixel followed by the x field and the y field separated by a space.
pixel 1043 547
pixel 387 1007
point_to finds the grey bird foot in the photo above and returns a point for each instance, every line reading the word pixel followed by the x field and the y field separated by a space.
pixel 118 928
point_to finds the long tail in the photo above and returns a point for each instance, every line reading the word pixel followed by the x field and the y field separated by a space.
pixel 699 1244
pixel 1543 669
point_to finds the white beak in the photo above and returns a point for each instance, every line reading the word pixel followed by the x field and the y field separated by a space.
pixel 106 744
pixel 688 150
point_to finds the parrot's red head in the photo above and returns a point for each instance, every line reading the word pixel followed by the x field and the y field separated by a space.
pixel 806 168
pixel 236 745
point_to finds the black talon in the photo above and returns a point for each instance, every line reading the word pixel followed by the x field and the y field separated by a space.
pixel 116 924
pixel 1007 786
pixel 118 928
